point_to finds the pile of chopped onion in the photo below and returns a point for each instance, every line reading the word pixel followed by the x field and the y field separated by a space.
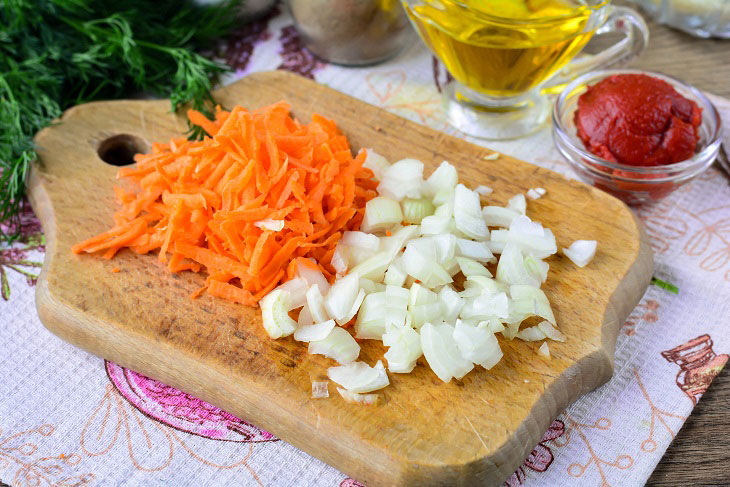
pixel 395 282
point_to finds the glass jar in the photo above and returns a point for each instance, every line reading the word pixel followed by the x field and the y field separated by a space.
pixel 701 18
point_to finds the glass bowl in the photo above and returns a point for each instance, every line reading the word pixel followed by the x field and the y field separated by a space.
pixel 631 184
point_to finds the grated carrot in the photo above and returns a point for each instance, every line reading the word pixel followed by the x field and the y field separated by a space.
pixel 198 201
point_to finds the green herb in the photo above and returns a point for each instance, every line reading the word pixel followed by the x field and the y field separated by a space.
pixel 665 285
pixel 58 53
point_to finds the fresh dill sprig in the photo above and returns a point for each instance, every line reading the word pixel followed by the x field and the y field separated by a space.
pixel 58 53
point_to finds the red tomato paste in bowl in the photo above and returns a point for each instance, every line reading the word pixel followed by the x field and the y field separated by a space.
pixel 638 120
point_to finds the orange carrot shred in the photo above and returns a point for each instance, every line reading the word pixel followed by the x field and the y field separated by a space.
pixel 199 203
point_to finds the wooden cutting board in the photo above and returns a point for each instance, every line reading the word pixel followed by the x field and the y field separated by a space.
pixel 474 431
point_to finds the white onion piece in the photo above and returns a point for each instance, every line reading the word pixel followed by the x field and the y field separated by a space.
pixel 305 317
pixel 275 314
pixel 315 305
pixel 442 353
pixel 511 330
pixel 363 240
pixel 486 307
pixel 518 203
pixel 435 225
pixel 531 334
pixel 373 268
pixel 370 286
pixel 495 247
pixel 370 323
pixel 529 301
pixel 544 350
pixel 493 324
pixel 485 285
pixel 396 306
pixel 381 213
pixel 483 190
pixel 269 224
pixel 443 178
pixel 451 303
pixel 419 294
pixel 550 331
pixel 478 345
pixel 581 252
pixel 468 213
pixel 497 216
pixel 355 307
pixel 297 289
pixel 340 259
pixel 402 179
pixel 512 268
pixel 342 296
pixel 395 275
pixel 540 247
pixel 359 376
pixel 423 313
pixel 536 193
pixel 424 269
pixel 312 333
pixel 320 389
pixel 376 163
pixel 478 251
pixel 313 276
pixel 357 398
pixel 339 345
pixel 470 267
pixel 415 210
pixel 405 348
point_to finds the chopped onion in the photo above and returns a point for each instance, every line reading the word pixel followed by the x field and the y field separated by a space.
pixel 419 294
pixel 312 333
pixel 478 345
pixel 373 268
pixel 468 213
pixel 370 286
pixel 402 179
pixel 305 317
pixel 359 376
pixel 491 157
pixel 363 240
pixel 531 334
pixel 370 323
pixel 523 232
pixel 357 398
pixel 342 296
pixel 275 314
pixel 355 307
pixel 544 350
pixel 513 269
pixel 497 216
pixel 315 305
pixel 396 306
pixel 435 225
pixel 415 210
pixel 340 259
pixel 581 252
pixel 405 348
pixel 536 193
pixel 483 190
pixel 529 301
pixel 486 307
pixel 424 269
pixel 442 353
pixel 269 224
pixel 478 251
pixel 339 345
pixel 423 313
pixel 550 331
pixel 394 244
pixel 380 213
pixel 518 203
pixel 395 275
pixel 451 304
pixel 320 389
pixel 313 276
pixel 376 163
pixel 297 289
pixel 470 267
pixel 444 178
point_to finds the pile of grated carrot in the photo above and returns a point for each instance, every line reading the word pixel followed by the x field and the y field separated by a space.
pixel 248 204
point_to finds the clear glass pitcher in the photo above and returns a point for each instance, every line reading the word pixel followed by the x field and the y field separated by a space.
pixel 503 54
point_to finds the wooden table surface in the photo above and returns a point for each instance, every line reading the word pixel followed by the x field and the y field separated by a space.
pixel 700 453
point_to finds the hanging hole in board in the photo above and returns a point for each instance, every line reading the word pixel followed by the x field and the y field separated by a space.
pixel 119 150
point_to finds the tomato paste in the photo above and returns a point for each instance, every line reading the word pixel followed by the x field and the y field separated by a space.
pixel 638 120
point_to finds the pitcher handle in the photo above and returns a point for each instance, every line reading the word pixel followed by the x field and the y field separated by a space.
pixel 620 19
